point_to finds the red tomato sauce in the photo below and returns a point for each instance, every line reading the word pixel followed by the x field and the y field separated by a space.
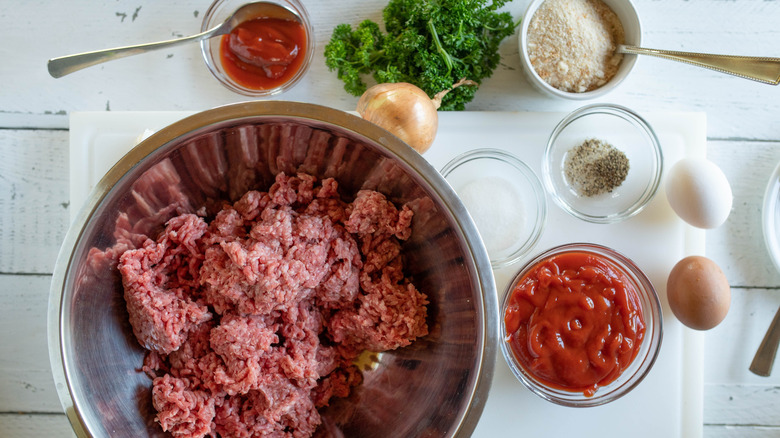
pixel 264 53
pixel 574 322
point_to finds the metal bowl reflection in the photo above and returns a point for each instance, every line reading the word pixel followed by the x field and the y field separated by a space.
pixel 435 387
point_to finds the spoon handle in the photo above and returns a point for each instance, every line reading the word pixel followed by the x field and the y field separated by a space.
pixel 59 67
pixel 761 69
pixel 765 356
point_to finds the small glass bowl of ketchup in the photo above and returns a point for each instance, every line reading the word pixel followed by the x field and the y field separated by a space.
pixel 263 56
pixel 581 325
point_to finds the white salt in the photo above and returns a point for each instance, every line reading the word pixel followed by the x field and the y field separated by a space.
pixel 496 206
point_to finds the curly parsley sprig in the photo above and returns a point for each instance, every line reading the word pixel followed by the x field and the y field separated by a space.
pixel 429 43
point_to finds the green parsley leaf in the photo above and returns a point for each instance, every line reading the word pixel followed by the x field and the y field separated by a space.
pixel 429 43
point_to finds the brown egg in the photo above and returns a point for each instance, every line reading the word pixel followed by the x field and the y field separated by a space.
pixel 698 292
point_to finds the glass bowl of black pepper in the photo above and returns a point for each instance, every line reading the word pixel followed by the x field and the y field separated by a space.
pixel 603 163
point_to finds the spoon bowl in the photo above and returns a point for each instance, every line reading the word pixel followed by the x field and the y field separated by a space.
pixel 765 355
pixel 59 67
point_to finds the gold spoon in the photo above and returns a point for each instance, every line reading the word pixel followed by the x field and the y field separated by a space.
pixel 761 69
pixel 59 67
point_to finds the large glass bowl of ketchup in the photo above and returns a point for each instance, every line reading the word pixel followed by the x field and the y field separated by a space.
pixel 263 56
pixel 582 325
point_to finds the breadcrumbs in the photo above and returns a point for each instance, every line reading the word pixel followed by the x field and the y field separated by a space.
pixel 572 44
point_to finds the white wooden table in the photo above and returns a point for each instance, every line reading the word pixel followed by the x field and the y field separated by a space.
pixel 743 138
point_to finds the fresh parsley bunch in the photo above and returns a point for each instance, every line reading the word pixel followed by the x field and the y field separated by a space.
pixel 429 43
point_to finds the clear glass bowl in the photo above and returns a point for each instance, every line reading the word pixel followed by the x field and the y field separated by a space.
pixel 624 130
pixel 639 367
pixel 221 10
pixel 505 199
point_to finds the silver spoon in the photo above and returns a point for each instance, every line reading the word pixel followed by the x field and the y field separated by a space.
pixel 765 356
pixel 59 67
pixel 761 69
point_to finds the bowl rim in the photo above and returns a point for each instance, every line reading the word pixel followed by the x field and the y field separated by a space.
pixel 542 85
pixel 652 186
pixel 769 216
pixel 478 264
pixel 532 180
pixel 653 342
pixel 297 8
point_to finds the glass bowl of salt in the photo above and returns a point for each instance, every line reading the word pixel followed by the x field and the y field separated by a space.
pixel 603 163
pixel 505 199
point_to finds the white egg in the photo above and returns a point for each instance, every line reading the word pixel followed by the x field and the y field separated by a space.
pixel 699 192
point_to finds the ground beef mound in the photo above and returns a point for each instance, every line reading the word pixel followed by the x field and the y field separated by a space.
pixel 253 321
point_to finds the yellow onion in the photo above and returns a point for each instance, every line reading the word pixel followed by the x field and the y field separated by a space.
pixel 404 110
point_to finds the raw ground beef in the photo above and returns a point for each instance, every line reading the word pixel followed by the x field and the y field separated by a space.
pixel 254 320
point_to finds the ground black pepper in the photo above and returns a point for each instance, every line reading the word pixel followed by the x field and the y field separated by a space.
pixel 595 167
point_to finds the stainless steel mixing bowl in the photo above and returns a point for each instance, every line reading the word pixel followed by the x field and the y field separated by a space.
pixel 437 387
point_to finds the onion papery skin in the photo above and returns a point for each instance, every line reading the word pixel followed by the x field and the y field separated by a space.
pixel 402 109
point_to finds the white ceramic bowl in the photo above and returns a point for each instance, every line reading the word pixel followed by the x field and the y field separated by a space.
pixel 628 16
pixel 770 217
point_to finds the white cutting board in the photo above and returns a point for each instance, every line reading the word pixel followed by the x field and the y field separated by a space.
pixel 668 403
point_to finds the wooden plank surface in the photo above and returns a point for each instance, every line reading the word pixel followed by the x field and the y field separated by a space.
pixel 33 199
pixel 743 129
pixel 35 425
pixel 26 383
